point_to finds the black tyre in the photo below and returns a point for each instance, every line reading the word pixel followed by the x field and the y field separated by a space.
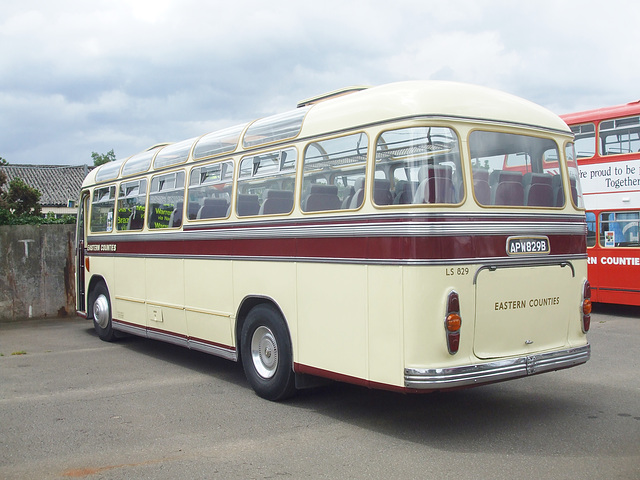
pixel 265 349
pixel 101 309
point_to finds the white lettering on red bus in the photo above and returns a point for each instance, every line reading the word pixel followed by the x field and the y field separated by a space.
pixel 631 261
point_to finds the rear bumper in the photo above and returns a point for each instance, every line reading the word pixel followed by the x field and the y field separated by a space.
pixel 499 370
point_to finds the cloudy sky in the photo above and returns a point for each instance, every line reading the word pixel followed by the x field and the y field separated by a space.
pixel 79 76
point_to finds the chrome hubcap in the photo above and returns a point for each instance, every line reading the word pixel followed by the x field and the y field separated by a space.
pixel 264 352
pixel 101 311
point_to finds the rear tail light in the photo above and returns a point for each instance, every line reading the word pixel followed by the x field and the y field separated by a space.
pixel 586 306
pixel 453 322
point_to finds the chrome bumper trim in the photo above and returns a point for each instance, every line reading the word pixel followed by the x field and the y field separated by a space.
pixel 468 375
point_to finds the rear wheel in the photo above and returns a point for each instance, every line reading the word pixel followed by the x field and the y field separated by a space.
pixel 101 308
pixel 265 349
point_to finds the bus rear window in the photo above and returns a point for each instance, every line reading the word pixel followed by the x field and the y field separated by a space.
pixel 515 170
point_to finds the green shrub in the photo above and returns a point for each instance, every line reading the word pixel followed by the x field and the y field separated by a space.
pixel 7 217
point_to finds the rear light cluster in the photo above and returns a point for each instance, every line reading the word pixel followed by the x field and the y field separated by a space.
pixel 586 306
pixel 453 322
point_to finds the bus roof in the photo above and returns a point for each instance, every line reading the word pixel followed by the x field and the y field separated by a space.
pixel 605 113
pixel 358 107
pixel 427 99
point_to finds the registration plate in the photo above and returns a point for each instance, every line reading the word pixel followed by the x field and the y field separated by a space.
pixel 528 246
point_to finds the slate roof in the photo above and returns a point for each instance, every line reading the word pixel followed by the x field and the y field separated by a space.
pixel 57 184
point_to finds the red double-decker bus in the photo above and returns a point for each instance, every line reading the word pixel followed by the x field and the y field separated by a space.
pixel 607 145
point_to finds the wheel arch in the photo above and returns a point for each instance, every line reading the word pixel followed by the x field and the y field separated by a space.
pixel 247 304
pixel 93 283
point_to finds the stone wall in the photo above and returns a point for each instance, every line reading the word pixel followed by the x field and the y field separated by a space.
pixel 37 271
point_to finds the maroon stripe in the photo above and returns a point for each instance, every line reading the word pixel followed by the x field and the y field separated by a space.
pixel 318 372
pixel 364 248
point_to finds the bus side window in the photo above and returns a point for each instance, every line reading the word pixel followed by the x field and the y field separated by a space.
pixel 166 200
pixel 632 230
pixel 619 136
pixel 266 183
pixel 585 140
pixel 334 173
pixel 436 185
pixel 102 206
pixel 209 191
pixel 620 229
pixel 132 197
pixel 175 219
pixel 591 229
pixel 322 197
pixel 277 201
pixel 422 164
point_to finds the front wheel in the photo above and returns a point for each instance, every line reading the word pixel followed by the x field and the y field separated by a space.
pixel 101 308
pixel 265 349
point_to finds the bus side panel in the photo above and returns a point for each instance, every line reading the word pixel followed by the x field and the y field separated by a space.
pixel 332 318
pixel 615 275
pixel 594 272
pixel 385 325
pixel 209 300
pixel 620 297
pixel 129 290
pixel 272 280
pixel 104 267
pixel 165 296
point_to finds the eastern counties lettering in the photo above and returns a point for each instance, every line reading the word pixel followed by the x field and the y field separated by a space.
pixel 531 303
